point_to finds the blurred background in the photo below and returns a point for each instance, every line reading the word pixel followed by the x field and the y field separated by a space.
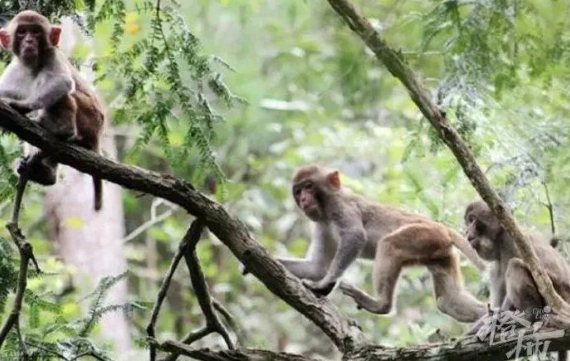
pixel 233 96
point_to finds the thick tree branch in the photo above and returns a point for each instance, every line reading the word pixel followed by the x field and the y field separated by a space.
pixel 231 355
pixel 466 350
pixel 421 96
pixel 227 228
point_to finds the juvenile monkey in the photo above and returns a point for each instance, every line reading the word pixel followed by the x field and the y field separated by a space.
pixel 348 226
pixel 41 79
pixel 512 287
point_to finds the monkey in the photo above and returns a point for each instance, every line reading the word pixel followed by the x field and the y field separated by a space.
pixel 512 287
pixel 41 79
pixel 348 226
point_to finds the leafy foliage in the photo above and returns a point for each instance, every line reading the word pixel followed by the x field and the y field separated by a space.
pixel 61 338
pixel 164 68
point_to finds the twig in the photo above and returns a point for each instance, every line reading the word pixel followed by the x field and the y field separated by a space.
pixel 26 255
pixel 154 219
pixel 199 283
pixel 187 249
pixel 162 295
pixel 20 188
pixel 550 208
pixel 188 340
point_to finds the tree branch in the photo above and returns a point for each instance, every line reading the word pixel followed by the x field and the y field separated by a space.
pixel 465 350
pixel 227 228
pixel 395 63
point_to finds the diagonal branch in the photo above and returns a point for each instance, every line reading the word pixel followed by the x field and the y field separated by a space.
pixel 395 63
pixel 199 282
pixel 213 323
pixel 226 227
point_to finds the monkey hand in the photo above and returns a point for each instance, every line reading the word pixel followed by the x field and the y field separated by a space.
pixel 23 164
pixel 321 288
pixel 20 106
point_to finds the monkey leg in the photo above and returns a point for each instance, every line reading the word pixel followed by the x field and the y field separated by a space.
pixel 451 297
pixel 522 292
pixel 60 119
pixel 39 168
pixel 387 268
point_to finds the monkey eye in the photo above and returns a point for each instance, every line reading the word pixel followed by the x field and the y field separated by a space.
pixel 479 226
pixel 309 186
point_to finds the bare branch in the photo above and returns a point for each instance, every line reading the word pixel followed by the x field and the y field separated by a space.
pixel 395 63
pixel 230 355
pixel 199 283
pixel 463 350
pixel 162 295
pixel 26 254
pixel 227 228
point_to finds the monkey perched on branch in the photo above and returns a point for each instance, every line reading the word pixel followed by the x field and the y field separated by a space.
pixel 41 79
pixel 512 287
pixel 511 284
pixel 348 226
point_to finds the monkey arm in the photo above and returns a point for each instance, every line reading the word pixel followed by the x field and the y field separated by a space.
pixel 498 288
pixel 303 268
pixel 54 86
pixel 352 240
pixel 11 84
pixel 318 258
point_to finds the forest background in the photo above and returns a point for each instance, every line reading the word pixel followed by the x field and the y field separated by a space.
pixel 232 96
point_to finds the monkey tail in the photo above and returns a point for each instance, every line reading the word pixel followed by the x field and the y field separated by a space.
pixel 98 192
pixel 465 247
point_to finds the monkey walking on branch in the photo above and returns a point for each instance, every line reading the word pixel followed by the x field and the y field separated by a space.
pixel 348 226
pixel 41 79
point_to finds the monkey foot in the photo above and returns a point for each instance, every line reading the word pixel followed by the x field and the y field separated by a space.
pixel 23 164
pixel 363 300
pixel 318 289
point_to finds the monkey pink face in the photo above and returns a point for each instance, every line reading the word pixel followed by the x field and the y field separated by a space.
pixel 304 194
pixel 29 41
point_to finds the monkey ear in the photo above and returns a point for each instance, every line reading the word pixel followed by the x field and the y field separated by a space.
pixel 5 38
pixel 54 34
pixel 334 179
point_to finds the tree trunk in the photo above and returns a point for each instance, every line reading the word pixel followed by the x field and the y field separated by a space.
pixel 91 241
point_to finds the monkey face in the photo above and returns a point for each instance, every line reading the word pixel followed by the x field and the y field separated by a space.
pixel 29 41
pixel 305 197
pixel 483 231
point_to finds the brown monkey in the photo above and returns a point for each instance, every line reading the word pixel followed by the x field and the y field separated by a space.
pixel 40 78
pixel 349 226
pixel 511 284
